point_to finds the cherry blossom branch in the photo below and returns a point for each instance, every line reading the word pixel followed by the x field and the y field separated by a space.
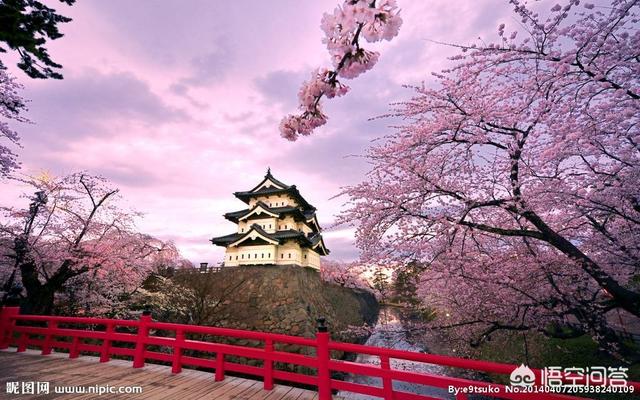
pixel 343 30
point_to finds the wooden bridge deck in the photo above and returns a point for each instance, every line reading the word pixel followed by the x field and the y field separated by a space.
pixel 156 381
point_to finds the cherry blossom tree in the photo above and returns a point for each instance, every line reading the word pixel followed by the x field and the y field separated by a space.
pixel 112 290
pixel 11 105
pixel 76 244
pixel 345 274
pixel 373 20
pixel 190 297
pixel 515 178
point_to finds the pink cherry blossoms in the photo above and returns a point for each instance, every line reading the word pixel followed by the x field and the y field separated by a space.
pixel 75 245
pixel 11 105
pixel 514 181
pixel 374 21
pixel 346 274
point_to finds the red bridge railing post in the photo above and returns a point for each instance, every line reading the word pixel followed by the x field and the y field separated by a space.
pixel 219 366
pixel 105 350
pixel 268 365
pixel 143 333
pixel 46 346
pixel 176 364
pixel 323 354
pixel 74 350
pixel 7 324
pixel 387 382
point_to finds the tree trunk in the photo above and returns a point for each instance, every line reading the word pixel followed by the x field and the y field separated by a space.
pixel 39 302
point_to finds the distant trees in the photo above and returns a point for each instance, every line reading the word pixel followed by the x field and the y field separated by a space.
pixel 381 284
pixel 75 245
pixel 25 27
pixel 345 274
pixel 406 281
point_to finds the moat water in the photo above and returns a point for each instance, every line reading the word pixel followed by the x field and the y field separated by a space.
pixel 389 333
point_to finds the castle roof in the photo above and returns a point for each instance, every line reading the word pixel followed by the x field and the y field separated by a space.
pixel 271 186
pixel 256 233
pixel 260 209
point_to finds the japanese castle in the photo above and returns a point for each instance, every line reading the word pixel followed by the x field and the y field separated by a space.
pixel 279 227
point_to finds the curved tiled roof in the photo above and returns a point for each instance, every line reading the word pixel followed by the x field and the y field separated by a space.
pixel 296 212
pixel 290 190
pixel 280 236
pixel 269 177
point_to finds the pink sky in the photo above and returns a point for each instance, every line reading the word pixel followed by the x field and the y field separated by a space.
pixel 179 106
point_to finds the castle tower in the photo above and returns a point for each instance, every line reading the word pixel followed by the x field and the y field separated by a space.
pixel 278 228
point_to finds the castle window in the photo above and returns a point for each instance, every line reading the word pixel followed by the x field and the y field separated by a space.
pixel 243 256
pixel 269 226
pixel 255 256
pixel 236 257
pixel 305 256
pixel 269 255
pixel 289 255
pixel 229 258
pixel 281 255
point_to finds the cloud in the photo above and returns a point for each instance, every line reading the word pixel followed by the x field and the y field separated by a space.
pixel 209 67
pixel 342 249
pixel 336 151
pixel 130 175
pixel 206 69
pixel 281 87
pixel 92 104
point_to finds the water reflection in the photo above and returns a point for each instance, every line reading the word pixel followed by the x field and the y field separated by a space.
pixel 389 333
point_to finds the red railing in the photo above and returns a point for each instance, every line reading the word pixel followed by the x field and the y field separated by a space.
pixel 13 331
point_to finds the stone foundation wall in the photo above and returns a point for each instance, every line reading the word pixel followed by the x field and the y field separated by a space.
pixel 289 299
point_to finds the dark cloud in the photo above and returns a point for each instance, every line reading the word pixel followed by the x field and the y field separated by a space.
pixel 282 87
pixel 92 104
pixel 179 88
pixel 209 67
pixel 205 69
pixel 171 31
pixel 336 151
pixel 130 175
pixel 238 117
pixel 160 32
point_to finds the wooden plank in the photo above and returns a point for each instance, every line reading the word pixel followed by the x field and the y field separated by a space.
pixel 189 387
pixel 277 393
pixel 295 394
pixel 235 392
pixel 255 391
pixel 157 381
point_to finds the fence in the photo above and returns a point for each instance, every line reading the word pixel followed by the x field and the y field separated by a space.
pixel 18 330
